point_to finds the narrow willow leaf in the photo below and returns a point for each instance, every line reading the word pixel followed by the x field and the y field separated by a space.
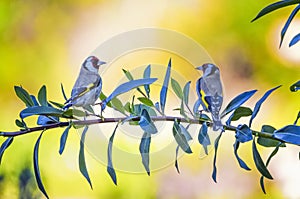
pixel 274 152
pixel 130 78
pixel 186 91
pixel 117 105
pixel 164 89
pixel 203 137
pixel 267 142
pixel 295 40
pixel 298 116
pixel 243 133
pixel 103 97
pixel 110 167
pixel 127 74
pixel 146 101
pixel 19 123
pixel 24 96
pixel 63 91
pixel 180 138
pixel 274 6
pixel 238 101
pixel 176 159
pixel 259 103
pixel 82 164
pixel 289 133
pixel 42 96
pixel 147 74
pixel 214 174
pixel 176 88
pixel 63 139
pixel 125 87
pixel 36 166
pixel 127 107
pixel 5 145
pixel 146 123
pixel 260 165
pixel 41 110
pixel 295 87
pixel 44 120
pixel 58 105
pixel 144 150
pixel 185 132
pixel 241 112
pixel 240 161
pixel 35 102
pixel 288 22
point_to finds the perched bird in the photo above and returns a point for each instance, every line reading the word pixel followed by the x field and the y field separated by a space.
pixel 88 85
pixel 209 88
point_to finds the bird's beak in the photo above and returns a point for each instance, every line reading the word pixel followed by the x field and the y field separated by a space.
pixel 101 63
pixel 199 68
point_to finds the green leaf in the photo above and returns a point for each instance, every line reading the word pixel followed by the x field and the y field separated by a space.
pixel 298 116
pixel 147 74
pixel 117 105
pixel 274 6
pixel 42 96
pixel 127 74
pixel 274 152
pixel 176 159
pixel 82 164
pixel 63 139
pixel 261 167
pixel 259 103
pixel 240 161
pixel 130 78
pixel 186 91
pixel 238 101
pixel 125 87
pixel 128 108
pixel 58 105
pixel 203 137
pixel 146 123
pixel 74 112
pixel 36 166
pixel 295 40
pixel 24 96
pixel 295 87
pixel 181 138
pixel 19 123
pixel 103 97
pixel 5 145
pixel 110 167
pixel 63 91
pixel 214 174
pixel 41 110
pixel 146 101
pixel 176 88
pixel 267 142
pixel 164 89
pixel 287 24
pixel 289 133
pixel 241 112
pixel 144 150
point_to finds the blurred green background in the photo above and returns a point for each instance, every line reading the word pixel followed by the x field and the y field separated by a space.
pixel 41 42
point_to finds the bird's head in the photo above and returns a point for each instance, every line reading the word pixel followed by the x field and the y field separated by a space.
pixel 208 69
pixel 92 63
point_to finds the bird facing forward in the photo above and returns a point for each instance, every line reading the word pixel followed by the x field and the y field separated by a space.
pixel 210 91
pixel 88 85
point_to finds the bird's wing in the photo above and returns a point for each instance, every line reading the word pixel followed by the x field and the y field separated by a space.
pixel 80 91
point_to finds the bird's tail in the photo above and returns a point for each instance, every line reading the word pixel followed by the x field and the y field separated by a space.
pixel 217 124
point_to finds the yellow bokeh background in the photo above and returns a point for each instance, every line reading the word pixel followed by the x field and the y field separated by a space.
pixel 44 43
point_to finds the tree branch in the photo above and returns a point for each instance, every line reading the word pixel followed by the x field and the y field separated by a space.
pixel 112 120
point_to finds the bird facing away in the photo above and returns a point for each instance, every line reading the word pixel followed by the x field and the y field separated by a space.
pixel 88 85
pixel 210 91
